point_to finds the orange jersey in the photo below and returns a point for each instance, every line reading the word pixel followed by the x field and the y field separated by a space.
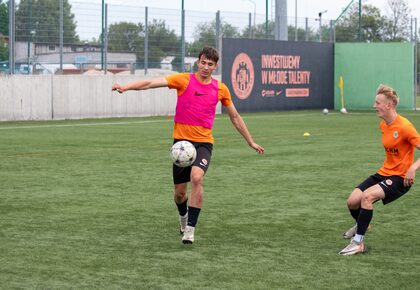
pixel 180 82
pixel 399 140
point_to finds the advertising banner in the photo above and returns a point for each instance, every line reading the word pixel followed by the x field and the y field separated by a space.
pixel 269 75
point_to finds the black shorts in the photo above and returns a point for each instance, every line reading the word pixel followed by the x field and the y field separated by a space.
pixel 393 186
pixel 204 151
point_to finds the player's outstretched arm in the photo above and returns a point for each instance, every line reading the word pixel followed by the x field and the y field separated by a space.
pixel 240 125
pixel 140 85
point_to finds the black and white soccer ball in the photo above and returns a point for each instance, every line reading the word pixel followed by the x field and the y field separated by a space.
pixel 183 153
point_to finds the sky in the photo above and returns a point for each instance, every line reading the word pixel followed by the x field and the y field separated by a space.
pixel 305 9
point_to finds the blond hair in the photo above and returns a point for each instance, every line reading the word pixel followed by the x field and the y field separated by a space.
pixel 389 93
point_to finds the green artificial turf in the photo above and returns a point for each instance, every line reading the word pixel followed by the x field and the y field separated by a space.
pixel 88 204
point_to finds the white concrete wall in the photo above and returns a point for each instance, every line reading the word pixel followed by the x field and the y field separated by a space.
pixel 25 98
pixel 57 97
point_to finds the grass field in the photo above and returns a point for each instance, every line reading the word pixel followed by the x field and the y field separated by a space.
pixel 88 205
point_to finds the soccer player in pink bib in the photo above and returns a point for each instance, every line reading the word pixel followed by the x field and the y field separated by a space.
pixel 198 94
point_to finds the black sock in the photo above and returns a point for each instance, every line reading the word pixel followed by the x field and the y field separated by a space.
pixel 193 213
pixel 355 213
pixel 363 221
pixel 182 208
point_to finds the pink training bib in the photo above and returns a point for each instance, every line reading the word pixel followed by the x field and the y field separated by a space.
pixel 197 105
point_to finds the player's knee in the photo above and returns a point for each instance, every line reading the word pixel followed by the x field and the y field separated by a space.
pixel 180 194
pixel 367 199
pixel 354 200
pixel 196 180
pixel 180 191
pixel 353 203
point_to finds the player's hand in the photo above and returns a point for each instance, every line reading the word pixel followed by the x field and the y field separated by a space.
pixel 257 148
pixel 409 177
pixel 118 88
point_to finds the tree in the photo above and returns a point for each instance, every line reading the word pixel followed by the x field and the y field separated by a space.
pixel 259 31
pixel 40 19
pixel 4 52
pixel 4 31
pixel 310 34
pixel 126 37
pixel 162 42
pixel 372 29
pixel 205 35
pixel 398 22
pixel 129 37
pixel 4 18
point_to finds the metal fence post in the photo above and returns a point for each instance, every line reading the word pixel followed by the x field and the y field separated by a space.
pixel 106 40
pixel 415 63
pixel 61 31
pixel 29 35
pixel 218 37
pixel 12 37
pixel 146 41
pixel 217 29
pixel 102 34
pixel 249 24
pixel 331 30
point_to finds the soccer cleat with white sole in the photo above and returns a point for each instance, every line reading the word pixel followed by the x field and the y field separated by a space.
pixel 353 248
pixel 183 223
pixel 188 237
pixel 351 232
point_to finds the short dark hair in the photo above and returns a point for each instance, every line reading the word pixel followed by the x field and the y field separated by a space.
pixel 210 53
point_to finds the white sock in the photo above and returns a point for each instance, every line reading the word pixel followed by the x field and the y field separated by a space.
pixel 358 238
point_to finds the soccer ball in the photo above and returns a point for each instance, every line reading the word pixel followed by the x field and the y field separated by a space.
pixel 343 111
pixel 325 111
pixel 183 154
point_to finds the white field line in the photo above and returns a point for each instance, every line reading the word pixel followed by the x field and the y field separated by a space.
pixel 144 122
pixel 83 124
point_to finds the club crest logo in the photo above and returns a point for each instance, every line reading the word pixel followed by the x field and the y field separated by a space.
pixel 388 182
pixel 395 134
pixel 242 76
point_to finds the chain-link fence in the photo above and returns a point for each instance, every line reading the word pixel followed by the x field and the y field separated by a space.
pixel 75 37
